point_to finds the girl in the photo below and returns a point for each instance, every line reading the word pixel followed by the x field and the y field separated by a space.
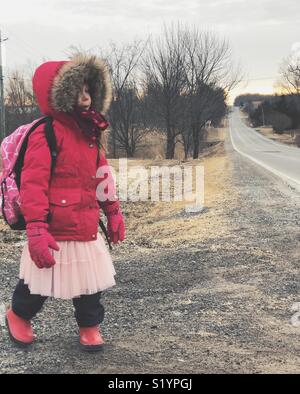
pixel 60 209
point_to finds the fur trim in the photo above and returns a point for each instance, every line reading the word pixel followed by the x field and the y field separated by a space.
pixel 70 78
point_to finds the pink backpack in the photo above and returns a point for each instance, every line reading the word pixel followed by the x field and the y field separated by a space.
pixel 13 150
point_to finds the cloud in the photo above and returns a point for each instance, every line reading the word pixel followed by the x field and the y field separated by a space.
pixel 295 53
pixel 134 14
pixel 261 31
pixel 131 9
pixel 214 12
pixel 296 47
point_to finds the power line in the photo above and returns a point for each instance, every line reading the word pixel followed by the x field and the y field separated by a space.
pixel 30 48
pixel 18 50
pixel 14 51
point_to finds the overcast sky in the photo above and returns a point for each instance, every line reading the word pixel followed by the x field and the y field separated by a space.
pixel 261 32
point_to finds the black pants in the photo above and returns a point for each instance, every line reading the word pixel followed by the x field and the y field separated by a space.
pixel 88 310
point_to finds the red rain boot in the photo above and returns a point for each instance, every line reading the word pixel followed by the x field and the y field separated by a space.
pixel 90 339
pixel 20 330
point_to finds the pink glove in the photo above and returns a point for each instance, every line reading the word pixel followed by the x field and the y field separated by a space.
pixel 115 222
pixel 39 241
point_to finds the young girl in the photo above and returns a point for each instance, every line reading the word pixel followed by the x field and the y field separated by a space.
pixel 65 256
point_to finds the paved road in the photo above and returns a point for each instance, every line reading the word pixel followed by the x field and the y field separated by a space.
pixel 280 159
pixel 218 302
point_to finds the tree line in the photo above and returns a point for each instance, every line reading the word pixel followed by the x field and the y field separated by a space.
pixel 174 83
pixel 281 111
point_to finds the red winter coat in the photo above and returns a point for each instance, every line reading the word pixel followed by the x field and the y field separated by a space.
pixel 70 194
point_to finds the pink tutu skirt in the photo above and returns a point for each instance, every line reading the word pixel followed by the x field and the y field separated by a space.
pixel 81 268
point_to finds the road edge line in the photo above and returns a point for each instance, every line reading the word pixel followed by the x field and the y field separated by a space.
pixel 286 178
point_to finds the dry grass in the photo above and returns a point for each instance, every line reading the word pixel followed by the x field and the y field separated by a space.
pixel 153 145
pixel 290 137
pixel 155 224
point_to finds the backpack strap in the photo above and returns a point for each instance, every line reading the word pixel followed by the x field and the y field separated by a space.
pixel 20 161
pixel 51 140
pixel 103 228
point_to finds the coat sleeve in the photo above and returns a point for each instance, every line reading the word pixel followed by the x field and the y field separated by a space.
pixel 35 178
pixel 109 204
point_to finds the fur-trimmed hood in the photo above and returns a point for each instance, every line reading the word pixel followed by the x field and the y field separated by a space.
pixel 57 84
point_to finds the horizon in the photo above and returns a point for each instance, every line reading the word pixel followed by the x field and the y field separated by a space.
pixel 262 34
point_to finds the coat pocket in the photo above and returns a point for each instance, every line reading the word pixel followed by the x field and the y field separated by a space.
pixel 64 209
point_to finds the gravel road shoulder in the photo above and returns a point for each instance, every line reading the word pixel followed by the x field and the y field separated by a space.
pixel 201 294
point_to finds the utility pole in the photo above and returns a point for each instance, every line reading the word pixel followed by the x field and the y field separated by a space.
pixel 263 114
pixel 2 106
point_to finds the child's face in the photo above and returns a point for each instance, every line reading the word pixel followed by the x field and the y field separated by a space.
pixel 84 98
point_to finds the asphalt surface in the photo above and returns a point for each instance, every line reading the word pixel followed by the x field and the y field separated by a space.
pixel 280 159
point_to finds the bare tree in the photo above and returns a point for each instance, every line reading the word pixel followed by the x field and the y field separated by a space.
pixel 176 85
pixel 125 112
pixel 183 126
pixel 211 104
pixel 20 103
pixel 209 66
pixel 126 121
pixel 290 75
pixel 164 80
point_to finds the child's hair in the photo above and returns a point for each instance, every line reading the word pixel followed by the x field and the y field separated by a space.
pixel 101 141
pixel 91 87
